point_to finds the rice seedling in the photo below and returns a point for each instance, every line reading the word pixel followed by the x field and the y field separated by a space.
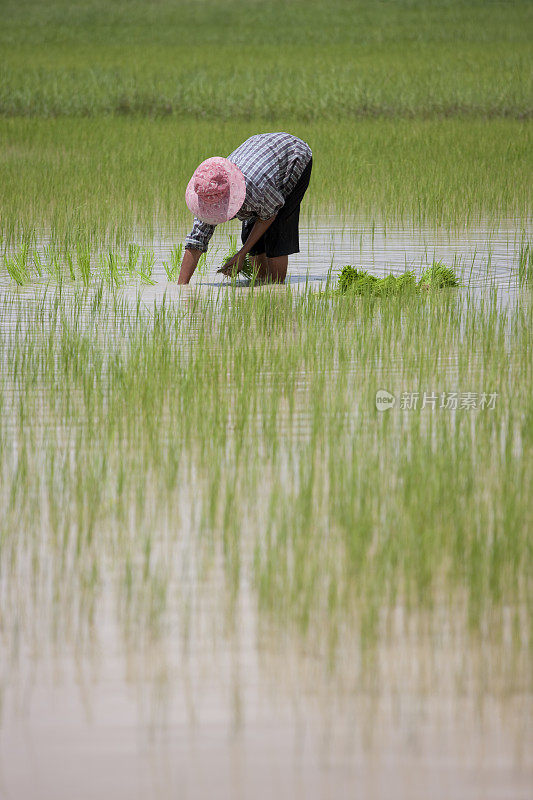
pixel 69 261
pixel 247 270
pixel 38 263
pixel 109 266
pixel 133 257
pixel 172 269
pixel 361 282
pixel 53 263
pixel 438 276
pixel 254 467
pixel 525 262
pixel 147 266
pixel 422 172
pixel 327 531
pixel 83 255
pixel 17 265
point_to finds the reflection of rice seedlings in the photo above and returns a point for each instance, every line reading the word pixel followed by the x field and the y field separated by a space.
pixel 173 269
pixel 147 265
pixel 525 262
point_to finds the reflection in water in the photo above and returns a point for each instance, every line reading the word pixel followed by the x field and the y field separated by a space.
pixel 186 683
pixel 478 252
pixel 220 718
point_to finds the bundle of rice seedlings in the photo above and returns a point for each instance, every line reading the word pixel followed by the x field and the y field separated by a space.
pixel 395 285
pixel 438 276
pixel 247 270
pixel 360 282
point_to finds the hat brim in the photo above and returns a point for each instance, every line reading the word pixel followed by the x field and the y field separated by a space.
pixel 226 209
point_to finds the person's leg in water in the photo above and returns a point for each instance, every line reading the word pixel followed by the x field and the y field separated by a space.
pixel 281 239
pixel 270 270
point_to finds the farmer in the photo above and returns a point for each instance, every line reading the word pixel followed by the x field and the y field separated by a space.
pixel 261 183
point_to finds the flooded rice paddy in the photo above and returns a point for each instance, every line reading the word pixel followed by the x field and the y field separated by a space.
pixel 224 573
pixel 481 254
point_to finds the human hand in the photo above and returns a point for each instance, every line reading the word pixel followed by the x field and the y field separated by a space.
pixel 233 265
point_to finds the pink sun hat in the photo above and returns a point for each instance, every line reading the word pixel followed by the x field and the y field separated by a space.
pixel 216 190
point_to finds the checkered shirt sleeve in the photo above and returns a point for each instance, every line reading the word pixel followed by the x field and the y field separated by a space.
pixel 271 164
pixel 200 236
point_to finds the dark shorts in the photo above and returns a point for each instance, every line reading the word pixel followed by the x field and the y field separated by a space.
pixel 281 239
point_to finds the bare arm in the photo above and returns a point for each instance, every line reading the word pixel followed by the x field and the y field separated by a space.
pixel 188 265
pixel 234 265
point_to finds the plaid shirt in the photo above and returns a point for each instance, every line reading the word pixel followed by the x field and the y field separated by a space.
pixel 271 164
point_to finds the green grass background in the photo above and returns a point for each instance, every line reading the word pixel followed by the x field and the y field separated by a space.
pixel 416 111
pixel 238 59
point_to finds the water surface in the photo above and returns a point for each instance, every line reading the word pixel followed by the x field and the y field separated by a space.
pixel 220 701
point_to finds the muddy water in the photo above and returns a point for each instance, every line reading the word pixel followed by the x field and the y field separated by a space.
pixel 220 705
pixel 480 254
pixel 220 718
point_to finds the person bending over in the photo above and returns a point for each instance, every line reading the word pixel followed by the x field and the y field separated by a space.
pixel 262 183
